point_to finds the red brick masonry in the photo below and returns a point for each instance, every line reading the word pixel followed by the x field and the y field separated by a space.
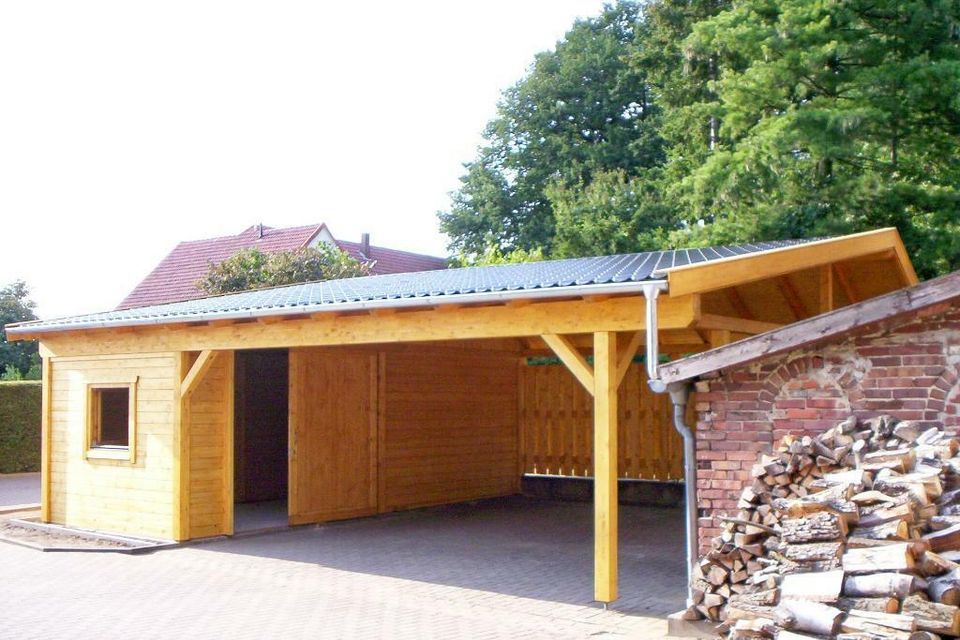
pixel 909 370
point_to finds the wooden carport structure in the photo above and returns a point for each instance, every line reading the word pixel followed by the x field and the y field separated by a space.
pixel 594 314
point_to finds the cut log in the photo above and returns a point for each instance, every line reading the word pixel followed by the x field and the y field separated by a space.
pixel 945 540
pixel 894 557
pixel 891 620
pixel 828 552
pixel 853 624
pixel 882 605
pixel 901 460
pixel 945 589
pixel 817 527
pixel 933 564
pixel 758 628
pixel 883 515
pixel 931 616
pixel 816 587
pixel 898 585
pixel 896 530
pixel 813 617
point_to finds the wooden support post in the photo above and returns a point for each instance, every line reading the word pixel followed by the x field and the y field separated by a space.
pixel 605 466
pixel 826 288
pixel 181 452
pixel 228 447
pixel 46 446
pixel 720 337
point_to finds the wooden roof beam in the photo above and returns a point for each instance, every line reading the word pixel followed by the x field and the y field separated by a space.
pixel 197 371
pixel 736 301
pixel 739 325
pixel 572 358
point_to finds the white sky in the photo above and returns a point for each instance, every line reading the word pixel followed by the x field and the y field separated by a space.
pixel 126 127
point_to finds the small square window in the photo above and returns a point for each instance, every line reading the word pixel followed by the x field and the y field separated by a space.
pixel 111 418
pixel 111 422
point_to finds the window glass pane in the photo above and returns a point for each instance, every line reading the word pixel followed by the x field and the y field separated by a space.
pixel 114 417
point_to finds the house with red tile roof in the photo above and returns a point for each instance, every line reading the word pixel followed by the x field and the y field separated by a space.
pixel 175 278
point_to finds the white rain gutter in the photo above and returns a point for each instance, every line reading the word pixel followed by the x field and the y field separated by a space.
pixel 360 305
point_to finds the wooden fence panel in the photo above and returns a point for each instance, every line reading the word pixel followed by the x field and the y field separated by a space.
pixel 556 416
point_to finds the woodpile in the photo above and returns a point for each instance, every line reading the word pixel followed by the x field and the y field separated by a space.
pixel 853 534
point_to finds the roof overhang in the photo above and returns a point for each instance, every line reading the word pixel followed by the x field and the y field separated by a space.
pixel 819 329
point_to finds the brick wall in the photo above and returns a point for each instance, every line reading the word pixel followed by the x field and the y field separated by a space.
pixel 909 369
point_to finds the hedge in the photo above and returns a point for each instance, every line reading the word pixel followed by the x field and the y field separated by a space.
pixel 19 426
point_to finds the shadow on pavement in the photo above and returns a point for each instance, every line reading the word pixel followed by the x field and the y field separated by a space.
pixel 519 546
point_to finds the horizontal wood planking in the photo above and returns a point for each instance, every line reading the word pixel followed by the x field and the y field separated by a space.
pixel 113 495
pixel 449 427
pixel 557 422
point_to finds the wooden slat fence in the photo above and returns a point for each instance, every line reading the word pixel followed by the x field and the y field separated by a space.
pixel 556 419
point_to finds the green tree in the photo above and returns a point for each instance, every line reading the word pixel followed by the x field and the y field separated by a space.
pixel 17 359
pixel 254 269
pixel 835 117
pixel 582 111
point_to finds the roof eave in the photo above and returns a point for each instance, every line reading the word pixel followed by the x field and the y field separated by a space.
pixel 28 331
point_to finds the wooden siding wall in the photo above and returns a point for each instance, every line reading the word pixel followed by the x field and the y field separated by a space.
pixel 113 495
pixel 449 425
pixel 557 420
pixel 207 416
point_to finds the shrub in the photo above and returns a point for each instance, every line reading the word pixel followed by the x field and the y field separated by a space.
pixel 19 426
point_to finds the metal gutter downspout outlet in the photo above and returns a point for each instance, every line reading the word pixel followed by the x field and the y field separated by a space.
pixel 679 394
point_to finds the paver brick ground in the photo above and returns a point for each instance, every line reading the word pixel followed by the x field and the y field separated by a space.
pixel 19 488
pixel 513 568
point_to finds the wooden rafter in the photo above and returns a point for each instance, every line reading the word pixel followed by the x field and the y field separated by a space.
pixel 572 358
pixel 845 284
pixel 825 289
pixel 196 372
pixel 792 297
pixel 736 301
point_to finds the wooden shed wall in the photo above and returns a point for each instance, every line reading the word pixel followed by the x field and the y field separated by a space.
pixel 207 416
pixel 449 421
pixel 113 495
pixel 556 416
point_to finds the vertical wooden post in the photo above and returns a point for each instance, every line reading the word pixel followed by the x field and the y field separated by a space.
pixel 605 466
pixel 826 288
pixel 720 337
pixel 46 406
pixel 181 452
pixel 229 373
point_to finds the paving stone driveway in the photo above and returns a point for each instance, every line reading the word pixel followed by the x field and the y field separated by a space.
pixel 19 488
pixel 514 568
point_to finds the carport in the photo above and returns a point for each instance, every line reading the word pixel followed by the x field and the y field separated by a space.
pixel 405 390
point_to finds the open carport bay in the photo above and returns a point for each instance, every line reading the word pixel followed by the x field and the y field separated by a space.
pixel 510 567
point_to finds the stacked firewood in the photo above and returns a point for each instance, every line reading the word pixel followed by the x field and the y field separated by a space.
pixel 852 534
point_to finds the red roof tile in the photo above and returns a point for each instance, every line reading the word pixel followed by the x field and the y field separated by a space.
pixel 175 278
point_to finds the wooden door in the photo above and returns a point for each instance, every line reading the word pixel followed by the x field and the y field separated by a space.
pixel 333 434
